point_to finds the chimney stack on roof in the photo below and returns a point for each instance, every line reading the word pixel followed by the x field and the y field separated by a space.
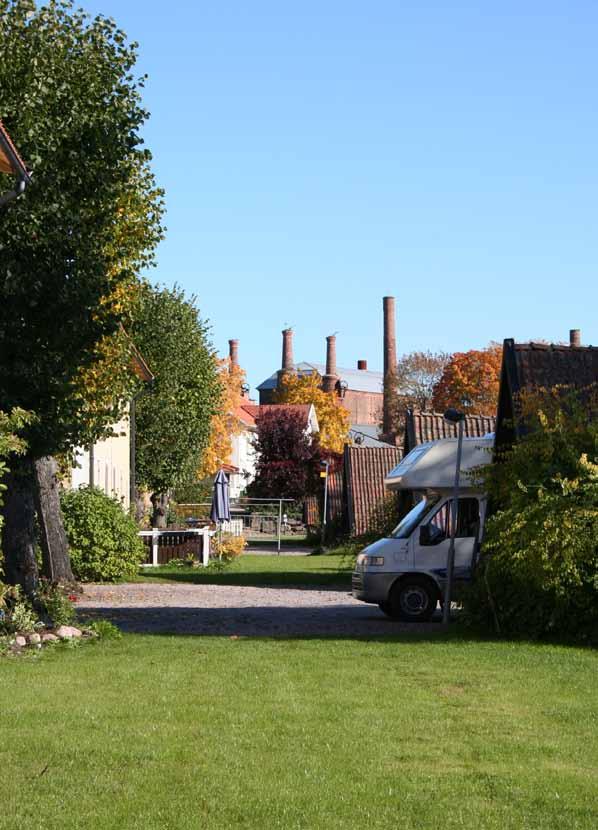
pixel 330 379
pixel 390 363
pixel 362 365
pixel 233 352
pixel 575 337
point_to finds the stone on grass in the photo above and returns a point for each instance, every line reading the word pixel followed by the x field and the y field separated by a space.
pixel 67 632
pixel 20 641
pixel 48 637
pixel 34 639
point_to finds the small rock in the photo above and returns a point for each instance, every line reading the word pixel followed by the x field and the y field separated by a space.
pixel 48 637
pixel 67 632
pixel 34 639
pixel 20 641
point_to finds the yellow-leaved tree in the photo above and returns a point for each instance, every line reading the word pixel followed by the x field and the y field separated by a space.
pixel 333 418
pixel 225 424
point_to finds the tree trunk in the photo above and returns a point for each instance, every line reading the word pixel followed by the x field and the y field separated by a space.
pixel 18 534
pixel 160 510
pixel 55 550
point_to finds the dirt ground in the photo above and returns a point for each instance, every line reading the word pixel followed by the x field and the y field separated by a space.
pixel 171 608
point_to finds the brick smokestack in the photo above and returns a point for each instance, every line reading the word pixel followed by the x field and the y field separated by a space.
pixel 287 350
pixel 233 352
pixel 362 365
pixel 330 379
pixel 575 337
pixel 390 364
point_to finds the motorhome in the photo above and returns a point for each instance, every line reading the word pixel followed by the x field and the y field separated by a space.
pixel 405 573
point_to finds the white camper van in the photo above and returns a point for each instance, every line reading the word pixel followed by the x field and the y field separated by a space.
pixel 405 573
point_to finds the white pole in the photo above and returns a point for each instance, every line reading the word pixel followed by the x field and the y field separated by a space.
pixel 325 506
pixel 450 559
pixel 279 522
pixel 155 534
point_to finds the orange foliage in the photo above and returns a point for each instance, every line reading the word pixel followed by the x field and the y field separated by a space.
pixel 225 424
pixel 471 380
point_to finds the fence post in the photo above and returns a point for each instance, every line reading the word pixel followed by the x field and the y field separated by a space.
pixel 155 534
pixel 279 522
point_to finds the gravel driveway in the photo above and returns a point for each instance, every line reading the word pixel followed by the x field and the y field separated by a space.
pixel 170 608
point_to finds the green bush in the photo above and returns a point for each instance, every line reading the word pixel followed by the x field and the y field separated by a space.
pixel 104 544
pixel 538 576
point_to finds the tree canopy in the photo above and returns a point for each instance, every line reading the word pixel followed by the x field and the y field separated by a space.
pixel 470 379
pixel 224 425
pixel 74 243
pixel 287 457
pixel 174 416
pixel 333 418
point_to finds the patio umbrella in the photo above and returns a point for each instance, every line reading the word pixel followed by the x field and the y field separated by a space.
pixel 220 500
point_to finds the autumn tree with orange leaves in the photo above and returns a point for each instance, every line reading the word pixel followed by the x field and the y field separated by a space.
pixel 225 425
pixel 470 379
pixel 333 418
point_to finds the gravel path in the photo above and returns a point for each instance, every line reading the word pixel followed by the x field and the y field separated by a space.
pixel 169 608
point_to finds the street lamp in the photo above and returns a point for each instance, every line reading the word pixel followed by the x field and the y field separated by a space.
pixel 324 467
pixel 453 416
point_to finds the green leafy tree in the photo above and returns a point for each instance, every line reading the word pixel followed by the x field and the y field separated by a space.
pixel 72 246
pixel 539 572
pixel 174 417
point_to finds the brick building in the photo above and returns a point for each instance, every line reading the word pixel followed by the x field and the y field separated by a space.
pixel 360 390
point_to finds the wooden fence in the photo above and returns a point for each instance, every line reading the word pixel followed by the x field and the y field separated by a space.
pixel 164 545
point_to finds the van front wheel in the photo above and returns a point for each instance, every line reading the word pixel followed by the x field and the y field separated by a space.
pixel 413 600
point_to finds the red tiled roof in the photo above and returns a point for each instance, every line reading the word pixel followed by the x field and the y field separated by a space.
pixel 10 160
pixel 365 470
pixel 250 413
pixel 421 426
pixel 529 366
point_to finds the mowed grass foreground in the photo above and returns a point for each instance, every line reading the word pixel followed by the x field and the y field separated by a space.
pixel 251 569
pixel 190 732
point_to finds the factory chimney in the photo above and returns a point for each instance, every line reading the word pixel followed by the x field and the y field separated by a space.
pixel 233 352
pixel 330 379
pixel 575 337
pixel 390 364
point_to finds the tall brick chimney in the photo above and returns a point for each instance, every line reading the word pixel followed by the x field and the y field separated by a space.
pixel 575 337
pixel 330 379
pixel 287 350
pixel 390 363
pixel 362 365
pixel 233 352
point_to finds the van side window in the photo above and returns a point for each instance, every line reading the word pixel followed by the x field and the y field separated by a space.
pixel 468 519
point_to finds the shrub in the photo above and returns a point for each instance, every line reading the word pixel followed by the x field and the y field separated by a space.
pixel 539 573
pixel 227 547
pixel 16 613
pixel 104 544
pixel 56 602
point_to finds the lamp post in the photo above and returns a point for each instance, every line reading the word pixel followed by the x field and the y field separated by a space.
pixel 453 416
pixel 324 465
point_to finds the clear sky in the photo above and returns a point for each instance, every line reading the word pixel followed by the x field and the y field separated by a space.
pixel 317 155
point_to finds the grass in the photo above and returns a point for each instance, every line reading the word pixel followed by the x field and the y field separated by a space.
pixel 329 569
pixel 190 732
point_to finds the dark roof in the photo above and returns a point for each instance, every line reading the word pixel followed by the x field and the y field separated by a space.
pixel 365 470
pixel 535 366
pixel 358 380
pixel 421 426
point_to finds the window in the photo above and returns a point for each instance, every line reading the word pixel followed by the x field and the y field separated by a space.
pixel 405 527
pixel 468 519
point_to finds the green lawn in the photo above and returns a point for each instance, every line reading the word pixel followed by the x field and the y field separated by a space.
pixel 330 569
pixel 190 732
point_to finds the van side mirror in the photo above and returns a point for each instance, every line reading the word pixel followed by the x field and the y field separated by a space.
pixel 425 537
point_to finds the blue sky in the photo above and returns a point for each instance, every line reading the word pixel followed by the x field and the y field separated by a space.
pixel 318 155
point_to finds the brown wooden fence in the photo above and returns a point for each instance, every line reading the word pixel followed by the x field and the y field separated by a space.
pixel 162 546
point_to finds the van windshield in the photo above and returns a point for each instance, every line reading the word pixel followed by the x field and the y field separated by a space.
pixel 405 527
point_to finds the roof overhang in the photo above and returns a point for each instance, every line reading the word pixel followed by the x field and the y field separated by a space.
pixel 12 164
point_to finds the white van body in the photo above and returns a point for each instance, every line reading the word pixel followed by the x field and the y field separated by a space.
pixel 405 573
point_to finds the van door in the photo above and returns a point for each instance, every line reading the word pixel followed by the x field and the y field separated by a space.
pixel 433 539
